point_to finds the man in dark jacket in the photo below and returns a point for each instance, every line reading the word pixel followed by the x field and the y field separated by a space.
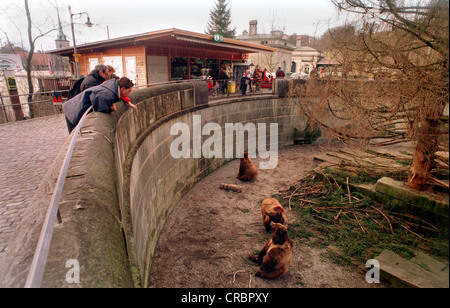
pixel 101 97
pixel 97 76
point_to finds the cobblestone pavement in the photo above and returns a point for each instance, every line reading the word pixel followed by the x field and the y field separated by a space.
pixel 27 149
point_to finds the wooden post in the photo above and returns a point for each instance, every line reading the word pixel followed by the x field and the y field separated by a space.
pixel 14 94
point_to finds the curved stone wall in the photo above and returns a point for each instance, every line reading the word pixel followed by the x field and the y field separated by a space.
pixel 151 181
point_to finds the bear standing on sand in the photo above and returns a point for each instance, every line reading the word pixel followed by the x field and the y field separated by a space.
pixel 247 171
pixel 276 256
pixel 272 210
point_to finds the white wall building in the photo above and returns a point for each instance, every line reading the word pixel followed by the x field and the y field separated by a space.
pixel 292 55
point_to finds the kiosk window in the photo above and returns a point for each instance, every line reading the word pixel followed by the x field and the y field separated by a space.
pixel 197 64
pixel 213 66
pixel 179 69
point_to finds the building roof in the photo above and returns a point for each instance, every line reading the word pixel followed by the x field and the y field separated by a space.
pixel 165 37
pixel 306 48
pixel 274 40
pixel 326 61
pixel 39 58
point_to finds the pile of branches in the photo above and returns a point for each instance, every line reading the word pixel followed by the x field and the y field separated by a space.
pixel 330 200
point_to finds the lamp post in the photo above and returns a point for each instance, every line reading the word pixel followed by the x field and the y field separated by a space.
pixel 75 54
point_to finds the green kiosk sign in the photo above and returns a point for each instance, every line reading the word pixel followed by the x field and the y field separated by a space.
pixel 218 38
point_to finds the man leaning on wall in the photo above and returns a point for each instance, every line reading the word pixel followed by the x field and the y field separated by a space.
pixel 96 77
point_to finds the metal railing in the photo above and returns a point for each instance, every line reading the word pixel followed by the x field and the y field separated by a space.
pixel 224 87
pixel 36 273
pixel 217 88
pixel 5 98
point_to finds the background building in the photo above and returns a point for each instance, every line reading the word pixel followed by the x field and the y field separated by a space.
pixel 284 44
pixel 293 54
pixel 164 55
pixel 305 59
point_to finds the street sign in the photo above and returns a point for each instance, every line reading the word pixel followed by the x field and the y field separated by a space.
pixel 10 62
pixel 11 83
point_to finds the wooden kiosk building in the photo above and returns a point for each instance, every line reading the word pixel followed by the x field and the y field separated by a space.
pixel 164 55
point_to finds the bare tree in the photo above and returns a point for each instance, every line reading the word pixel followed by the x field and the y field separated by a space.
pixel 29 59
pixel 32 38
pixel 393 81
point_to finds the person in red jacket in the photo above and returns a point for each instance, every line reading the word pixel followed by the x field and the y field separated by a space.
pixel 279 73
pixel 257 75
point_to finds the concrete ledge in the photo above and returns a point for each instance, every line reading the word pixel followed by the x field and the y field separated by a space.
pixel 91 231
pixel 429 206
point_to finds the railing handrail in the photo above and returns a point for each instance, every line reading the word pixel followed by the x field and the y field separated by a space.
pixel 36 273
pixel 28 103
pixel 167 82
pixel 34 93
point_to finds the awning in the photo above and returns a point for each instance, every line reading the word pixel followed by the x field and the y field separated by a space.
pixel 165 37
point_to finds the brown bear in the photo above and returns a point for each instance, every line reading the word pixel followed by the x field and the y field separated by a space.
pixel 247 171
pixel 276 256
pixel 272 210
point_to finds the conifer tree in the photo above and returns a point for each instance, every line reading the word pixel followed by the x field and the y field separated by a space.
pixel 220 20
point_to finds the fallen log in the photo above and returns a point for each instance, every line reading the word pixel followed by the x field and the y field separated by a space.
pixel 236 188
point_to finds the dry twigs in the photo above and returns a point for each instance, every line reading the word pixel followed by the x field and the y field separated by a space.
pixel 331 203
pixel 390 225
pixel 234 275
pixel 243 271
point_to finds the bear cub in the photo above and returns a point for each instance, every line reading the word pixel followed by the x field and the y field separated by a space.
pixel 276 256
pixel 272 210
pixel 247 171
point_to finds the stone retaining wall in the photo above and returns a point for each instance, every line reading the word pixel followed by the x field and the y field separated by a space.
pixel 150 181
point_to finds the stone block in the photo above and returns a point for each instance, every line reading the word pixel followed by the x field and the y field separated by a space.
pixel 407 273
pixel 419 199
pixel 201 93
pixel 281 87
pixel 187 99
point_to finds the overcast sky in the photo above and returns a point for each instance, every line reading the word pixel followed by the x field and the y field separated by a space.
pixel 128 17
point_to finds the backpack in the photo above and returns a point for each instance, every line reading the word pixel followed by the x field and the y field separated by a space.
pixel 76 89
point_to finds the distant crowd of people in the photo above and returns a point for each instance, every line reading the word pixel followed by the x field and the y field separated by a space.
pixel 258 79
pixel 102 88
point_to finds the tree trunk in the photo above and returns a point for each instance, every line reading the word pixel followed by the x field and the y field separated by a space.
pixel 29 67
pixel 424 155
